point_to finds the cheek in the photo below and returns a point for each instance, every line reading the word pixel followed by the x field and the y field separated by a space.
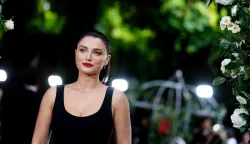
pixel 100 60
pixel 79 57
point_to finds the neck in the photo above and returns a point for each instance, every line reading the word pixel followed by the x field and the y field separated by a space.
pixel 86 82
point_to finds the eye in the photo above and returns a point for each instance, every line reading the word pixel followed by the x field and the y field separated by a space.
pixel 82 50
pixel 98 53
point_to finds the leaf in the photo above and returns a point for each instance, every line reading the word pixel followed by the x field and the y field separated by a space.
pixel 235 92
pixel 241 87
pixel 240 79
pixel 226 53
pixel 227 73
pixel 247 73
pixel 243 129
pixel 242 106
pixel 246 11
pixel 244 116
pixel 245 94
pixel 218 80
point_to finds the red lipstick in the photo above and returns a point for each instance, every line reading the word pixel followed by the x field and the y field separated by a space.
pixel 87 64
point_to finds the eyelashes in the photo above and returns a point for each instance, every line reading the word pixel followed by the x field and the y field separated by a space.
pixel 82 50
pixel 96 53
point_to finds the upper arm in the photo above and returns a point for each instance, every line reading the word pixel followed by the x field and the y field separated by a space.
pixel 41 133
pixel 121 118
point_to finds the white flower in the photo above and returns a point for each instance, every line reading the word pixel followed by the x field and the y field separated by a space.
pixel 236 28
pixel 225 62
pixel 236 119
pixel 237 45
pixel 230 26
pixel 223 69
pixel 223 26
pixel 243 41
pixel 241 100
pixel 225 20
pixel 9 24
pixel 242 69
pixel 233 75
pixel 234 10
pixel 235 54
pixel 237 22
pixel 225 2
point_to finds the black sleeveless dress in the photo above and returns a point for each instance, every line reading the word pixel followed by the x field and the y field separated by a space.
pixel 70 129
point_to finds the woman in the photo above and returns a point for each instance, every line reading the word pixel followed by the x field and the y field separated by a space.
pixel 86 111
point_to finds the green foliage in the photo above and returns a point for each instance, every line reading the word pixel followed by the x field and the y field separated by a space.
pixel 45 20
pixel 191 20
pixel 196 24
pixel 147 32
pixel 235 46
pixel 122 34
pixel 219 80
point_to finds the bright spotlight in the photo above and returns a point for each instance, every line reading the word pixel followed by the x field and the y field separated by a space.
pixel 120 84
pixel 204 91
pixel 54 80
pixel 3 75
pixel 216 127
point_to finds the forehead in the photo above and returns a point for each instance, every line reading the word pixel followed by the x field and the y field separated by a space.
pixel 91 42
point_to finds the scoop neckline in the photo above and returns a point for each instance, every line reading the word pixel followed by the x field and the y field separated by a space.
pixel 91 115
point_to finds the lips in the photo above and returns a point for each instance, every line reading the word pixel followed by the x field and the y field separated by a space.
pixel 87 64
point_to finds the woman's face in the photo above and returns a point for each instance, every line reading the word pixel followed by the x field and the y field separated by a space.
pixel 91 55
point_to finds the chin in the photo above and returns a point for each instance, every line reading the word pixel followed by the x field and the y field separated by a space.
pixel 89 71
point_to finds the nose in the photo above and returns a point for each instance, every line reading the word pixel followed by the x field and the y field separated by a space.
pixel 88 57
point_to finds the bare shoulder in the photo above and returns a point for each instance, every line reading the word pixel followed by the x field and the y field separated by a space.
pixel 50 96
pixel 119 98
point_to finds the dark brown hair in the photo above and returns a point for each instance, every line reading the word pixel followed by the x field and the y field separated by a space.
pixel 104 74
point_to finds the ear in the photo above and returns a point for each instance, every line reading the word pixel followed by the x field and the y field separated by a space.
pixel 107 59
pixel 75 54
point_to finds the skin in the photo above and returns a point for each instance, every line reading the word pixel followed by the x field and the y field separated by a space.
pixel 206 125
pixel 85 96
pixel 245 138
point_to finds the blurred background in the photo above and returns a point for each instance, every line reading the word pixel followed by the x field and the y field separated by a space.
pixel 161 52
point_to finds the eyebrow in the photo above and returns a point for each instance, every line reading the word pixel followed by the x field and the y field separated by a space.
pixel 87 47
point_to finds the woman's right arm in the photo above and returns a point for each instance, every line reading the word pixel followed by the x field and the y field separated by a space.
pixel 41 133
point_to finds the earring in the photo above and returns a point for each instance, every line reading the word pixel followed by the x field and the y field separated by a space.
pixel 104 67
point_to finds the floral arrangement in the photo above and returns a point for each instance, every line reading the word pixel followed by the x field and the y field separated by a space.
pixel 5 24
pixel 235 68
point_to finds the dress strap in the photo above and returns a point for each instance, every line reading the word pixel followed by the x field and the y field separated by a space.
pixel 59 101
pixel 109 96
pixel 107 103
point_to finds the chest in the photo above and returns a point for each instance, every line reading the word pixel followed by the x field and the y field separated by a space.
pixel 83 104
